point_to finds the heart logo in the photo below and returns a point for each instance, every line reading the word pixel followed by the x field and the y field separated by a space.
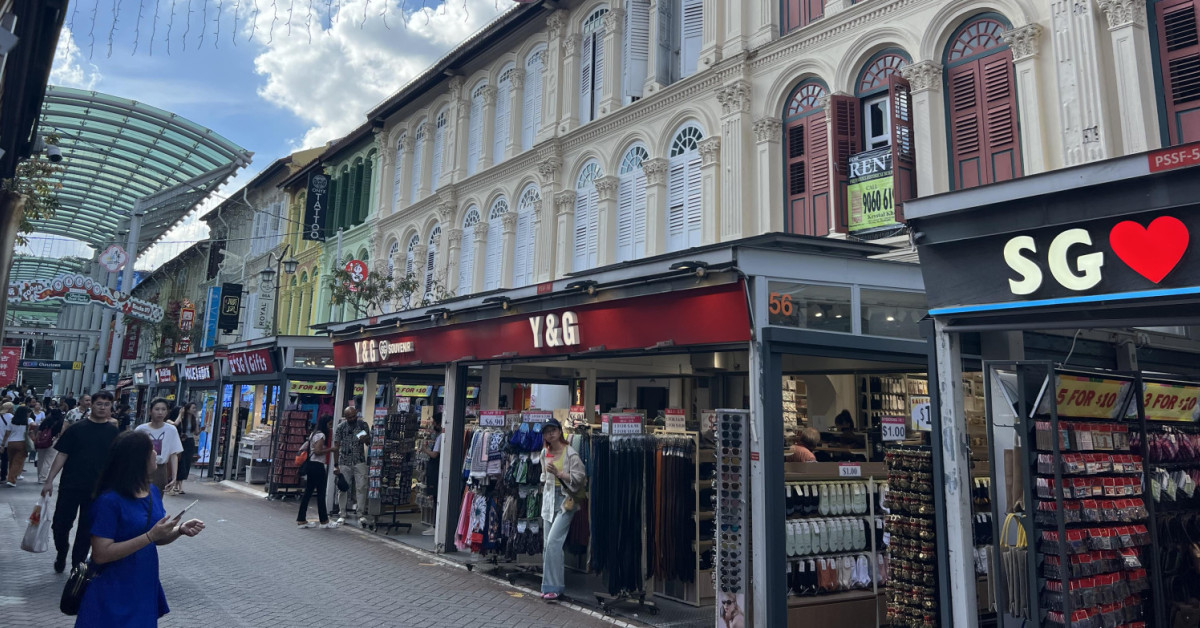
pixel 1154 251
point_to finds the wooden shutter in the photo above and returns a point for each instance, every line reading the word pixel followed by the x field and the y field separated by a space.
pixel 495 253
pixel 398 176
pixel 798 13
pixel 966 126
pixel 430 265
pixel 597 72
pixel 904 160
pixel 845 142
pixel 523 262
pixel 625 193
pixel 466 262
pixel 1179 54
pixel 677 204
pixel 531 118
pixel 665 41
pixel 692 36
pixel 807 171
pixel 984 140
pixel 439 148
pixel 635 48
pixel 418 157
pixel 582 221
pixel 586 66
pixel 1001 141
pixel 500 132
pixel 695 210
pixel 475 132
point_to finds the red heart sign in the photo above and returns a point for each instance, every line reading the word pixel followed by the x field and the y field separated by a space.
pixel 1154 251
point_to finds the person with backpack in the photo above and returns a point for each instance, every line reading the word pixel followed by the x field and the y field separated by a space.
pixel 48 431
pixel 317 448
pixel 167 445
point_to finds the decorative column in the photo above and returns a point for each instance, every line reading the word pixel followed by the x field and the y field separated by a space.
pixel 452 237
pixel 479 241
pixel 564 204
pixel 544 251
pixel 516 115
pixel 714 32
pixel 559 102
pixel 447 246
pixel 1023 42
pixel 765 22
pixel 385 164
pixel 425 129
pixel 656 204
pixel 710 184
pixel 606 236
pixel 302 328
pixel 454 152
pixel 737 29
pixel 735 221
pixel 652 85
pixel 929 127
pixel 509 224
pixel 1083 111
pixel 1135 75
pixel 488 127
pixel 569 93
pixel 293 310
pixel 614 29
pixel 768 134
pixel 420 259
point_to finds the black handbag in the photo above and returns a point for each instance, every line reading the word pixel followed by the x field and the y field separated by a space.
pixel 342 484
pixel 81 576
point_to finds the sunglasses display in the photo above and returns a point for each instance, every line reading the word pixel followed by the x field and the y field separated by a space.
pixel 911 597
pixel 731 497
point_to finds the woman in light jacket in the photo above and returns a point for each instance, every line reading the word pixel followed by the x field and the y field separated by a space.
pixel 563 475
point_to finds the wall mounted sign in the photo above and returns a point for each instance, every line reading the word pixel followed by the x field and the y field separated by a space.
pixel 310 388
pixel 231 306
pixel 211 309
pixel 357 270
pixel 1171 402
pixel 113 258
pixel 164 374
pixel 183 346
pixel 51 365
pixel 9 357
pixel 131 342
pixel 200 372
pixel 555 330
pixel 187 318
pixel 870 191
pixel 316 205
pixel 264 311
pixel 256 362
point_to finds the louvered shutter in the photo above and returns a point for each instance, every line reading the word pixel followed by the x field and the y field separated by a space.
pixel 814 10
pixel 586 67
pixel 466 262
pixel 597 72
pixel 625 196
pixel 409 262
pixel 398 176
pixel 532 115
pixel 807 173
pixel 495 253
pixel 966 126
pixel 418 158
pixel 475 133
pixel 430 266
pixel 1001 140
pixel 818 172
pixel 500 133
pixel 635 48
pixel 1179 54
pixel 904 170
pixel 844 143
pixel 582 220
pixel 439 146
pixel 677 204
pixel 523 266
pixel 665 59
pixel 799 13
pixel 695 214
pixel 692 37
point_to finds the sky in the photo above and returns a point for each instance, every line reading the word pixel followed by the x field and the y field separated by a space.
pixel 272 76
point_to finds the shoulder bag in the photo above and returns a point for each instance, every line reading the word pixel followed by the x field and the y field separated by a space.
pixel 81 577
pixel 302 455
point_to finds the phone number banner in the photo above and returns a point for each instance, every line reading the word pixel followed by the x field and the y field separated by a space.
pixel 870 191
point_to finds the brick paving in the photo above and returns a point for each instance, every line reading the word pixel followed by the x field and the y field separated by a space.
pixel 253 568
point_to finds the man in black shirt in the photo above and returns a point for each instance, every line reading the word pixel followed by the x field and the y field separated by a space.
pixel 82 454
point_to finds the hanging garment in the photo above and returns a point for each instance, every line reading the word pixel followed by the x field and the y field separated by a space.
pixel 462 535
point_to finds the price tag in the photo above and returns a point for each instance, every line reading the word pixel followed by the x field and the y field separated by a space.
pixel 621 423
pixel 577 415
pixel 849 470
pixel 676 419
pixel 893 428
pixel 919 409
pixel 536 417
pixel 492 418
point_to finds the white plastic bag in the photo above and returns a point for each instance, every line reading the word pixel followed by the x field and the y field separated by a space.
pixel 37 535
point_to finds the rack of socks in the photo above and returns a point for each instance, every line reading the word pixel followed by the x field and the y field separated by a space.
pixel 982 535
pixel 830 536
pixel 516 489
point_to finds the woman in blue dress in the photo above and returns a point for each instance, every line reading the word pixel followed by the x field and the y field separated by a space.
pixel 128 523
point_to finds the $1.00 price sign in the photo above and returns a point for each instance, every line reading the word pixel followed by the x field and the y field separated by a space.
pixel 849 470
pixel 893 428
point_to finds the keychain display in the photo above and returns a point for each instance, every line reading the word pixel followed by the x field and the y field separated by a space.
pixel 912 596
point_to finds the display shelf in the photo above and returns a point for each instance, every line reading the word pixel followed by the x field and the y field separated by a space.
pixel 831 598
pixel 795 403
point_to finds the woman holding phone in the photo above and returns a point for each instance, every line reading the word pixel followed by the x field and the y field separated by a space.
pixel 128 525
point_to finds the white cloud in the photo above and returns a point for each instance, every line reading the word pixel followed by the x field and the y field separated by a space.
pixel 353 64
pixel 70 69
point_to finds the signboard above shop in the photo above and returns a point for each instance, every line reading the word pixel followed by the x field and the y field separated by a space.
pixel 200 372
pixel 256 362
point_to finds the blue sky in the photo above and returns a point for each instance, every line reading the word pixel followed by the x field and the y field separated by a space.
pixel 271 92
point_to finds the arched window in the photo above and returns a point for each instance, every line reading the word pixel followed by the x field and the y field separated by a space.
pixel 495 243
pixel 531 118
pixel 631 205
pixel 466 252
pixel 806 160
pixel 635 49
pixel 526 239
pixel 391 259
pixel 873 90
pixel 503 114
pixel 591 66
pixel 398 174
pixel 435 237
pixel 683 190
pixel 475 128
pixel 587 217
pixel 439 150
pixel 981 94
pixel 411 262
pixel 1178 25
pixel 417 163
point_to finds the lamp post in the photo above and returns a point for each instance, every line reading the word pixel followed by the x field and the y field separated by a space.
pixel 267 276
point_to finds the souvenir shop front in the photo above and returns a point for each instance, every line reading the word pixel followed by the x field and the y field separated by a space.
pixel 202 386
pixel 637 361
pixel 1094 450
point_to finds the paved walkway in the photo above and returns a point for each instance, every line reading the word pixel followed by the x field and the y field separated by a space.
pixel 253 568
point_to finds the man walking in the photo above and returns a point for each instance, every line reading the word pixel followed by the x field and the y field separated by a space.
pixel 82 453
pixel 81 411
pixel 350 441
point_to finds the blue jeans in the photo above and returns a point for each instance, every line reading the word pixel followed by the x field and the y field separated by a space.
pixel 555 535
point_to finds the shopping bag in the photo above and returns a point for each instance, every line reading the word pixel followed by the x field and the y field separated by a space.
pixel 37 534
pixel 1013 559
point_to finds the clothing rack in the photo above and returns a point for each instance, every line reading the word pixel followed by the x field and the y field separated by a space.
pixel 619 489
pixel 696 588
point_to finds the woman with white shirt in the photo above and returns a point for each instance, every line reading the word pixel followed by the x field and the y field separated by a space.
pixel 167 445
pixel 6 417
pixel 13 440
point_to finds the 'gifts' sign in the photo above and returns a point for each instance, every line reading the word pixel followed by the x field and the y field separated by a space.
pixel 257 362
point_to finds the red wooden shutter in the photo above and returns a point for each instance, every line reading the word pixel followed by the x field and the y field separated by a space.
pixel 815 10
pixel 904 167
pixel 818 172
pixel 807 173
pixel 966 126
pixel 845 142
pixel 797 13
pixel 1179 54
pixel 1002 143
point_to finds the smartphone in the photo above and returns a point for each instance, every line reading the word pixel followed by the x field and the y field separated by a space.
pixel 189 507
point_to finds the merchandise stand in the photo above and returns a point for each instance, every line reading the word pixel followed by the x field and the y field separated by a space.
pixel 390 470
pixel 287 438
pixel 629 442
pixel 514 478
pixel 698 591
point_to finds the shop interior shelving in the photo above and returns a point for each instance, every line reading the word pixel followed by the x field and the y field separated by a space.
pixel 795 403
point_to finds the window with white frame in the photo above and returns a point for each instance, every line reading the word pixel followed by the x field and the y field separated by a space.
pixel 466 252
pixel 417 159
pixel 526 238
pixel 587 217
pixel 435 236
pixel 391 259
pixel 503 113
pixel 680 37
pixel 591 66
pixel 635 49
pixel 531 117
pixel 398 176
pixel 495 244
pixel 475 129
pixel 439 150
pixel 631 205
pixel 684 190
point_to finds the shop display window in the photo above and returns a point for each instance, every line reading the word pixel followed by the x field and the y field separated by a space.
pixel 893 314
pixel 820 308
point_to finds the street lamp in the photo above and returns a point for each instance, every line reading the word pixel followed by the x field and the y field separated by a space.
pixel 267 277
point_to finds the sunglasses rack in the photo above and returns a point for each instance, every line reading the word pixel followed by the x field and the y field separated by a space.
pixel 732 566
pixel 910 536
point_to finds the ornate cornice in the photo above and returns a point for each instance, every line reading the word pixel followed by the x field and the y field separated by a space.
pixel 454 87
pixel 850 25
pixel 509 221
pixel 448 195
pixel 606 187
pixel 572 43
pixel 557 22
pixel 710 151
pixel 453 236
pixel 406 143
pixel 489 95
pixel 1124 12
pixel 656 170
pixel 734 98
pixel 479 231
pixel 614 19
pixel 445 213
pixel 538 206
pixel 518 78
pixel 419 253
pixel 923 75
pixel 548 168
pixel 1023 41
pixel 565 201
pixel 768 129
